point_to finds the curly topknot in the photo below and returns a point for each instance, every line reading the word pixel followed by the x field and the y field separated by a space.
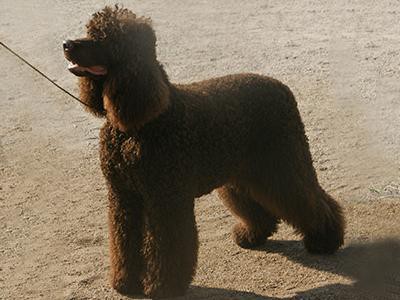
pixel 112 21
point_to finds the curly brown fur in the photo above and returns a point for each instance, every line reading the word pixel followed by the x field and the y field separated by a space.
pixel 164 144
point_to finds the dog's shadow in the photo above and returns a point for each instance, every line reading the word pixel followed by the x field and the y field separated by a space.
pixel 373 267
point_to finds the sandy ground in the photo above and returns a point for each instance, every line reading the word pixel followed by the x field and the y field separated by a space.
pixel 342 61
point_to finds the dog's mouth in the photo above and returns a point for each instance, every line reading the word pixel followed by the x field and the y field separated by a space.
pixel 76 69
pixel 83 56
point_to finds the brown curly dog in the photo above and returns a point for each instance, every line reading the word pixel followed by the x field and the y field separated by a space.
pixel 165 144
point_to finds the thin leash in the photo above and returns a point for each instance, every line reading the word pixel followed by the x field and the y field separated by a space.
pixel 41 73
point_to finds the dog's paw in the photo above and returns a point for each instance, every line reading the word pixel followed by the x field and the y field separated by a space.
pixel 325 242
pixel 247 238
pixel 126 287
pixel 163 292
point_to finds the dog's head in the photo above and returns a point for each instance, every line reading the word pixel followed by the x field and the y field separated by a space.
pixel 118 68
pixel 116 38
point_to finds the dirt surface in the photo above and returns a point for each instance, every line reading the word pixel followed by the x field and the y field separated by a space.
pixel 342 61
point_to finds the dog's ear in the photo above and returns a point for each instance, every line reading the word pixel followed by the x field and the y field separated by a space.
pixel 138 91
pixel 90 92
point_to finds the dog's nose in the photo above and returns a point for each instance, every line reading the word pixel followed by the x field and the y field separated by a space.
pixel 68 45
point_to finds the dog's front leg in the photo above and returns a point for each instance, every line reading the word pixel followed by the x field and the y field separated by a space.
pixel 126 239
pixel 170 246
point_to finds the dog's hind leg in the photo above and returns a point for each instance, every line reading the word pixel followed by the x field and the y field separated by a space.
pixel 255 224
pixel 290 190
pixel 314 214
pixel 126 235
pixel 170 246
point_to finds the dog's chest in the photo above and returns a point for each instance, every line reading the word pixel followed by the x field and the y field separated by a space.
pixel 129 155
pixel 120 155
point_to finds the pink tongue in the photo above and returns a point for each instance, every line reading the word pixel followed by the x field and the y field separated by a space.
pixel 96 70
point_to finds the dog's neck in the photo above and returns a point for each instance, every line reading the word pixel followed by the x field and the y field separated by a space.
pixel 114 115
pixel 132 104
